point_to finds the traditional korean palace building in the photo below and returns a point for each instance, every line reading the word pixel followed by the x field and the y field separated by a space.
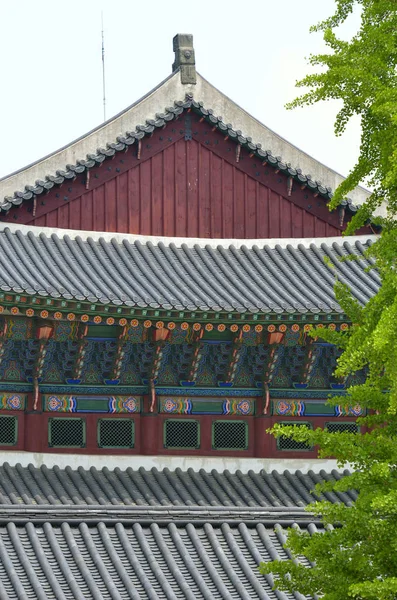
pixel 158 279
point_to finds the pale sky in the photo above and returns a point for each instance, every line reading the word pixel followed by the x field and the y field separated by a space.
pixel 51 69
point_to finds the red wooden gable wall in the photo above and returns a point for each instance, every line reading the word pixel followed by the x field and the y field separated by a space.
pixel 184 180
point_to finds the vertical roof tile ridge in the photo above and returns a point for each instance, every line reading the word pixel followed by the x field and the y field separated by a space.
pixel 53 482
pixel 152 561
pixel 353 265
pixel 219 282
pixel 287 491
pixel 108 491
pixel 116 562
pixel 157 266
pixel 148 477
pixel 88 274
pixel 198 275
pixel 206 561
pixel 44 562
pixel 111 479
pixel 24 476
pixel 325 293
pixel 21 589
pixel 26 561
pixel 255 298
pixel 78 558
pixel 169 490
pixel 96 558
pixel 363 260
pixel 29 250
pixel 189 563
pixel 143 488
pixel 19 485
pixel 171 563
pixel 218 492
pixel 224 484
pixel 7 485
pixel 203 487
pixel 243 563
pixel 225 563
pixel 345 275
pixel 258 558
pixel 255 271
pixel 307 289
pixel 181 490
pixel 134 560
pixel 295 297
pixel 62 562
pixel 100 269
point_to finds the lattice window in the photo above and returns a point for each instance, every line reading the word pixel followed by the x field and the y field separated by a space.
pixel 181 433
pixel 285 443
pixel 66 433
pixel 344 427
pixel 8 430
pixel 116 433
pixel 229 435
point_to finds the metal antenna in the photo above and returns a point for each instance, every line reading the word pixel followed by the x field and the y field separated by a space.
pixel 103 71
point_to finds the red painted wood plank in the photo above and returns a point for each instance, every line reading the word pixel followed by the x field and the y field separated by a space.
pixel 286 217
pixel 308 226
pixel 204 216
pixel 319 228
pixel 40 221
pixel 51 219
pixel 145 197
pixel 238 205
pixel 227 209
pixel 133 199
pixel 63 216
pixel 296 222
pixel 157 195
pixel 216 196
pixel 274 215
pixel 122 202
pixel 169 191
pixel 75 220
pixel 98 206
pixel 192 187
pixel 86 210
pixel 262 212
pixel 180 188
pixel 110 206
pixel 251 190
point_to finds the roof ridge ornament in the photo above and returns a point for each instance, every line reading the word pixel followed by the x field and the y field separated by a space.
pixel 184 57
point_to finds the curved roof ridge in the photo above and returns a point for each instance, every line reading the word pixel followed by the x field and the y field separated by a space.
pixel 124 128
pixel 189 242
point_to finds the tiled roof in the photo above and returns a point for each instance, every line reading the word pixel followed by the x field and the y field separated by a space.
pixel 89 534
pixel 139 562
pixel 260 276
pixel 131 137
pixel 153 488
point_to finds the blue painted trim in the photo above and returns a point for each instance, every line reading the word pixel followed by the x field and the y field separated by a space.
pixel 173 391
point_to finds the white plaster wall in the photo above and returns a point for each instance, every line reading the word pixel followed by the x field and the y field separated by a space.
pixel 171 462
pixel 155 102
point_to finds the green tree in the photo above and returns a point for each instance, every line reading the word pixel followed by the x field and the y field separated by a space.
pixel 356 555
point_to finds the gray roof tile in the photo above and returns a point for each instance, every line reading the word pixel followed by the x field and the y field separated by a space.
pixel 131 272
pixel 153 562
pixel 33 486
pixel 89 534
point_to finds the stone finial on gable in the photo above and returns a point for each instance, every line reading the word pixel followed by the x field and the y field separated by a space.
pixel 184 57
